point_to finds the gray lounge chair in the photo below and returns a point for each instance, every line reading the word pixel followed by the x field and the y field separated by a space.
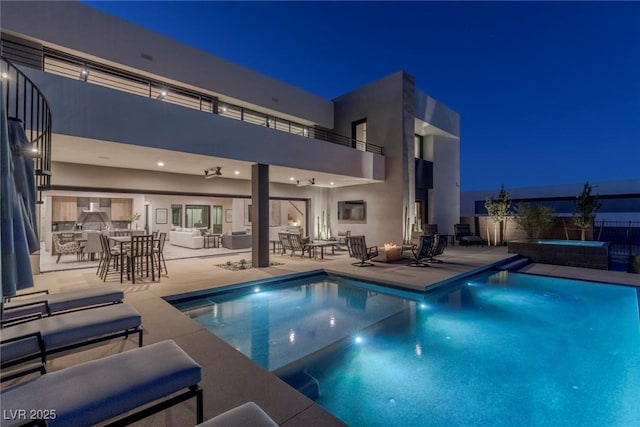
pixel 439 245
pixel 102 389
pixel 36 339
pixel 247 414
pixel 465 237
pixel 44 303
pixel 358 249
pixel 423 251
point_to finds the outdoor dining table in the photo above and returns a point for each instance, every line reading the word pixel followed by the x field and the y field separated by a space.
pixel 122 240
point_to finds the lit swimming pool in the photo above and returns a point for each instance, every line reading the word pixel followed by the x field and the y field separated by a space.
pixel 590 243
pixel 500 349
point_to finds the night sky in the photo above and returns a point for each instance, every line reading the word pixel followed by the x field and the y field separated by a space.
pixel 548 93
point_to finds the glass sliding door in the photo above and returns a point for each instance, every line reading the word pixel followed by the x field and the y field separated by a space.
pixel 216 227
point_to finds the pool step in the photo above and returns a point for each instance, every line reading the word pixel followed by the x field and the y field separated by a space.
pixel 515 265
pixel 305 383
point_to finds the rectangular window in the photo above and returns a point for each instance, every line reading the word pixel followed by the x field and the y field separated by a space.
pixel 197 216
pixel 359 134
pixel 176 215
pixel 418 143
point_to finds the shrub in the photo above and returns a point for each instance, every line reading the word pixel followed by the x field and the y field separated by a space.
pixel 534 219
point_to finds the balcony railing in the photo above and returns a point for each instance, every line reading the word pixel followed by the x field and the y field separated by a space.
pixel 63 64
pixel 24 101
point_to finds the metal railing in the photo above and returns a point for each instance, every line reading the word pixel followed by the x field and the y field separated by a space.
pixel 24 101
pixel 623 236
pixel 66 65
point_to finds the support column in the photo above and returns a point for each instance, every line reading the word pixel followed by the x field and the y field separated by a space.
pixel 260 215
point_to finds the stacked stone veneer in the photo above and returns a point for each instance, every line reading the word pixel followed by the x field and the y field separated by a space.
pixel 576 256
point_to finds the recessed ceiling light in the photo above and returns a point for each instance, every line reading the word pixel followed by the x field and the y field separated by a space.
pixel 292 179
pixel 331 183
pixel 160 164
pixel 5 75
pixel 236 172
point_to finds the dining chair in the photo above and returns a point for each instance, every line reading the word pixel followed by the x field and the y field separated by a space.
pixel 140 257
pixel 110 256
pixel 158 252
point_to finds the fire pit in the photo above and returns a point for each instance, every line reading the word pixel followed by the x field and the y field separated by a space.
pixel 389 252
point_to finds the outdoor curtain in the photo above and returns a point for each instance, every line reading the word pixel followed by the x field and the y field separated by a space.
pixel 15 263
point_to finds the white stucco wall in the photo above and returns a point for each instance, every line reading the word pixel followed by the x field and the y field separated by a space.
pixel 445 196
pixel 100 113
pixel 81 28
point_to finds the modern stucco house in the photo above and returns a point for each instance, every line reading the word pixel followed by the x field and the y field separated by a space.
pixel 141 117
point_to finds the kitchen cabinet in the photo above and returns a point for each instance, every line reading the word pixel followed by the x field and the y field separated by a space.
pixel 121 209
pixel 64 209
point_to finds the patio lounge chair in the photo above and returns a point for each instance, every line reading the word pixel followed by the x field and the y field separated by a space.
pixel 358 249
pixel 102 389
pixel 299 243
pixel 36 339
pixel 423 251
pixel 247 414
pixel 48 304
pixel 465 237
pixel 439 244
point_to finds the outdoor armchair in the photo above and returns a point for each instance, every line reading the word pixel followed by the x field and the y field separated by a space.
pixel 358 249
pixel 423 251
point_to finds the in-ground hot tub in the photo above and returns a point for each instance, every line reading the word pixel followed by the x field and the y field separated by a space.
pixel 575 253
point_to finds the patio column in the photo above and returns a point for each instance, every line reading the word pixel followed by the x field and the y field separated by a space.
pixel 260 215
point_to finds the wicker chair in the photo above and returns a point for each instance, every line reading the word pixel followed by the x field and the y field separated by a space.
pixel 68 248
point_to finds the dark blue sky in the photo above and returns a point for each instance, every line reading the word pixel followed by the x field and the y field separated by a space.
pixel 548 93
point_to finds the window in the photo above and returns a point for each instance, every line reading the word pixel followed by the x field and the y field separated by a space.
pixel 418 143
pixel 197 216
pixel 176 215
pixel 359 134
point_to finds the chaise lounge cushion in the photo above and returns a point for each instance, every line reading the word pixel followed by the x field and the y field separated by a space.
pixel 63 301
pixel 247 414
pixel 69 328
pixel 101 389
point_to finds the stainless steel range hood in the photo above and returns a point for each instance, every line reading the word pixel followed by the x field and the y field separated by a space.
pixel 95 218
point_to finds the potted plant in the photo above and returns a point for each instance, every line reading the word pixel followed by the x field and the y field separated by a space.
pixel 132 218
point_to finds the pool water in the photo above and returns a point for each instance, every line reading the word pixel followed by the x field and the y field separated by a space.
pixel 499 349
pixel 573 242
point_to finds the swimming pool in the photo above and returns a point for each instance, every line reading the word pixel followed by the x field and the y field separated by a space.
pixel 591 243
pixel 496 349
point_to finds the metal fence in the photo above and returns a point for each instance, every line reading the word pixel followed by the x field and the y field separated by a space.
pixel 623 236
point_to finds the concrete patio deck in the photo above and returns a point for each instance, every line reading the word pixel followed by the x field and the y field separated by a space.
pixel 230 378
